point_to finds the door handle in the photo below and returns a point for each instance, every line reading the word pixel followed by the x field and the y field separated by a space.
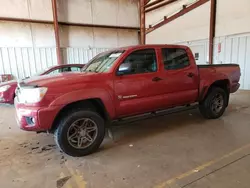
pixel 156 79
pixel 190 74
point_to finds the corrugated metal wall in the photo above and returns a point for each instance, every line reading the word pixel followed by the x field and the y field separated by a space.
pixel 23 62
pixel 234 49
pixel 201 47
pixel 26 48
pixel 80 55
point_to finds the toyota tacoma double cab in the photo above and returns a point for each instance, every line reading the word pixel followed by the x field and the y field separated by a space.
pixel 117 84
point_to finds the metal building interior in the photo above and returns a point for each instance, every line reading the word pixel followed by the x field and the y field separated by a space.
pixel 172 150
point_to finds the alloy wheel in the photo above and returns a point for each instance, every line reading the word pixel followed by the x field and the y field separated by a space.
pixel 82 133
pixel 217 103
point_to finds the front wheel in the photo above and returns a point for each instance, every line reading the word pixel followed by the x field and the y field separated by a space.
pixel 214 105
pixel 80 133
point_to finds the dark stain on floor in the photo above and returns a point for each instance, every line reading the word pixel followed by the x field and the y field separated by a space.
pixel 60 182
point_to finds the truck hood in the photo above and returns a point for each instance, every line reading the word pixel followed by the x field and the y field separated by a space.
pixel 58 79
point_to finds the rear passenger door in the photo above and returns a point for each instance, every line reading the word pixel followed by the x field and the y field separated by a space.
pixel 179 77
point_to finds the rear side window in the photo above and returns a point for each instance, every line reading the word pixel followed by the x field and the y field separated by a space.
pixel 175 58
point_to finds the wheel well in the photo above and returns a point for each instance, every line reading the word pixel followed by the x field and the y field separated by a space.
pixel 95 104
pixel 223 84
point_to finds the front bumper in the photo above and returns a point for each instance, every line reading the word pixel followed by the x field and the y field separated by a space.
pixel 35 118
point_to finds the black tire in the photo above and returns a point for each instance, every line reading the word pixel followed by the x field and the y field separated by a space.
pixel 61 133
pixel 206 106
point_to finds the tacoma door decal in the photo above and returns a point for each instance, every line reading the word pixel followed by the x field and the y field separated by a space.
pixel 120 97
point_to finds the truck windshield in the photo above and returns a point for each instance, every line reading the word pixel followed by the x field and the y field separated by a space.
pixel 102 62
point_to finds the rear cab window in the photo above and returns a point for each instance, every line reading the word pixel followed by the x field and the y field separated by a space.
pixel 175 58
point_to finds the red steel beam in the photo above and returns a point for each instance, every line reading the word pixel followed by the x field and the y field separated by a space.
pixel 99 26
pixel 153 3
pixel 159 5
pixel 147 1
pixel 142 22
pixel 177 15
pixel 23 20
pixel 212 29
pixel 56 30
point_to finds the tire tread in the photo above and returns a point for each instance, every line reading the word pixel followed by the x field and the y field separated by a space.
pixel 59 134
pixel 204 106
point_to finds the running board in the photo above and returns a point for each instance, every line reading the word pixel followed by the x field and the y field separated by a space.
pixel 151 115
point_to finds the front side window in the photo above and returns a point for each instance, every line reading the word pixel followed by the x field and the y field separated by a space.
pixel 175 58
pixel 141 61
pixel 103 62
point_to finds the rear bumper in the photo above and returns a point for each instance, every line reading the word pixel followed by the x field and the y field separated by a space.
pixel 35 118
pixel 234 87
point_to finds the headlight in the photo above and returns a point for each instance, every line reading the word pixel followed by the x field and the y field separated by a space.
pixel 4 88
pixel 31 95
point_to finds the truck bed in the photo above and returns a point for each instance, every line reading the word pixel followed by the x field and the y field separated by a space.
pixel 228 71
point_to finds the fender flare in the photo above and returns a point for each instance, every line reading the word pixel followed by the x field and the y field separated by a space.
pixel 86 94
pixel 205 86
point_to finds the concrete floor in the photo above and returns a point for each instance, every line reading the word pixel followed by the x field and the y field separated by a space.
pixel 180 150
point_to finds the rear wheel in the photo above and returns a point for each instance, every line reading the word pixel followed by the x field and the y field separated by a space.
pixel 214 104
pixel 80 133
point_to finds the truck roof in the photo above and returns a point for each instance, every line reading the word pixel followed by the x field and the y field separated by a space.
pixel 151 46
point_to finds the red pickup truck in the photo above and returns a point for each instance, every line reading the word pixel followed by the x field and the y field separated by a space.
pixel 121 83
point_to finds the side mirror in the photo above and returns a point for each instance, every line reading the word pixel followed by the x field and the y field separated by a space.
pixel 124 68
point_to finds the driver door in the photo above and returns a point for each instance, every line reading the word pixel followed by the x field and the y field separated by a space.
pixel 136 88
